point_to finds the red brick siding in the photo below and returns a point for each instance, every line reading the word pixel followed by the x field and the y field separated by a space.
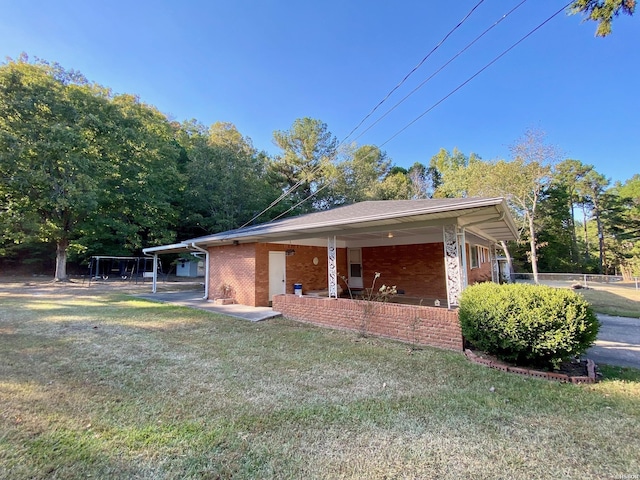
pixel 417 269
pixel 299 268
pixel 234 265
pixel 437 327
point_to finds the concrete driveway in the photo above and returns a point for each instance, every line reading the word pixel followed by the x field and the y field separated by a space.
pixel 618 342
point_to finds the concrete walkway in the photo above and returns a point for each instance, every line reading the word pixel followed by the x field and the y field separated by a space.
pixel 194 300
pixel 618 342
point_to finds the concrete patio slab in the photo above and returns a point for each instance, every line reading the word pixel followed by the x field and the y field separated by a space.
pixel 193 299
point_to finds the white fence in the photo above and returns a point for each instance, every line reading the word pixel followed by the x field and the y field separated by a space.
pixel 569 277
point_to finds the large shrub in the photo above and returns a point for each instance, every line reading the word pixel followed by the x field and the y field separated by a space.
pixel 527 324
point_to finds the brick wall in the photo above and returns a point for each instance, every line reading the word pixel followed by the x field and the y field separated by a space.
pixel 234 265
pixel 417 269
pixel 299 268
pixel 437 327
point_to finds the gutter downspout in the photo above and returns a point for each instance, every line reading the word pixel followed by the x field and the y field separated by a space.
pixel 206 269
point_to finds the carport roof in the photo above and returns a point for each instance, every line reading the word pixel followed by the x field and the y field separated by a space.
pixel 488 217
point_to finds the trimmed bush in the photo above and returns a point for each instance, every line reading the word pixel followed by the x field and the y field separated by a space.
pixel 527 324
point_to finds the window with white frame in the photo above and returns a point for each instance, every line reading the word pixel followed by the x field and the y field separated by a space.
pixel 478 255
pixel 473 256
pixel 483 253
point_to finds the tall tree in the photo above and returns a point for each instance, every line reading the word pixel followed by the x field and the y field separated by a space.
pixel 361 173
pixel 592 187
pixel 534 161
pixel 603 12
pixel 568 175
pixel 306 164
pixel 628 238
pixel 48 162
pixel 227 183
pixel 424 180
pixel 450 172
pixel 82 169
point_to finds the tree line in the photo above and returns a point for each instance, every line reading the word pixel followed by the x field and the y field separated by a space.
pixel 87 172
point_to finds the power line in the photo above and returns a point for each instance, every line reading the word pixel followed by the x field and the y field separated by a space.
pixel 447 96
pixel 413 70
pixel 469 45
pixel 406 77
pixel 477 73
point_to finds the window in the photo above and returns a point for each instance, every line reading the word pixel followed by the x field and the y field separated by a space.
pixel 483 253
pixel 478 255
pixel 473 256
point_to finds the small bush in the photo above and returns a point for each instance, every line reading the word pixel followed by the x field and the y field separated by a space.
pixel 527 324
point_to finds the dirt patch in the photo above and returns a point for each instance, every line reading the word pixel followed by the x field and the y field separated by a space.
pixel 44 285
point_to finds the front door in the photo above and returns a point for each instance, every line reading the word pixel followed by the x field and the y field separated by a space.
pixel 355 268
pixel 277 274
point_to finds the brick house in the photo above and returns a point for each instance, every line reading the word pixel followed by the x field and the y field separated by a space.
pixel 429 249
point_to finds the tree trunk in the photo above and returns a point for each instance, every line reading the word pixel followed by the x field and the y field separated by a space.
pixel 507 254
pixel 600 241
pixel 586 236
pixel 61 260
pixel 574 238
pixel 532 246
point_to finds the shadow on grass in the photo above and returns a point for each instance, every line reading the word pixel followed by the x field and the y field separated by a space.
pixel 610 303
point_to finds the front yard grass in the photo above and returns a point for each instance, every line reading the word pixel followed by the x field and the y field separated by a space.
pixel 108 386
pixel 613 300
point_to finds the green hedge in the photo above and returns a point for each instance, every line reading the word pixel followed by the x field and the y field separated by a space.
pixel 527 324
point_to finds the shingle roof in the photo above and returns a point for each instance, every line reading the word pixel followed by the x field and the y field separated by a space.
pixel 370 214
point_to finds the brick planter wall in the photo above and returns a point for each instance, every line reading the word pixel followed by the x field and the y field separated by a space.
pixel 436 327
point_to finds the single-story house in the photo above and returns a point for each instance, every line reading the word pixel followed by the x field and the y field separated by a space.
pixel 430 250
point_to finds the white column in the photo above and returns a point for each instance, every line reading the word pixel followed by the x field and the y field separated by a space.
pixel 495 268
pixel 462 255
pixel 154 287
pixel 333 269
pixel 452 264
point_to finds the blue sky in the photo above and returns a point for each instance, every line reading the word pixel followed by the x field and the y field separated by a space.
pixel 262 64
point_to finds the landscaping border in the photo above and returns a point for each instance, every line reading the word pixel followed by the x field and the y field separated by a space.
pixel 560 377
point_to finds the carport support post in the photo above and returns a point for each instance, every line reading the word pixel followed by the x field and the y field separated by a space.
pixel 154 287
pixel 333 269
pixel 453 269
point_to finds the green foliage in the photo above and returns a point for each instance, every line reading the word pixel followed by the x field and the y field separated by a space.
pixel 305 166
pixel 527 324
pixel 603 12
pixel 83 170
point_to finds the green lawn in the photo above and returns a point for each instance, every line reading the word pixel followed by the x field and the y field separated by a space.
pixel 614 300
pixel 107 386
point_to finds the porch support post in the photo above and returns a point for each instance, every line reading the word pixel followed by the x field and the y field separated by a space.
pixel 154 287
pixel 495 268
pixel 452 264
pixel 462 254
pixel 333 269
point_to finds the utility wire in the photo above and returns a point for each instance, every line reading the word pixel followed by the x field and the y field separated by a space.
pixel 413 70
pixel 469 45
pixel 406 77
pixel 477 73
pixel 445 97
